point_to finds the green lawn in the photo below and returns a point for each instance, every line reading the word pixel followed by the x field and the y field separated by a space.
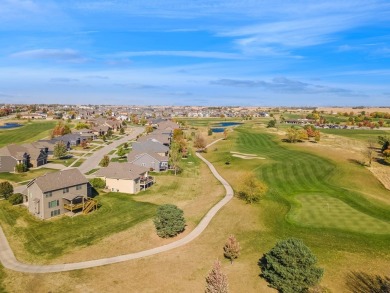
pixel 52 238
pixel 66 162
pixel 321 211
pixel 92 171
pixel 30 132
pixel 78 163
pixel 291 174
pixel 19 177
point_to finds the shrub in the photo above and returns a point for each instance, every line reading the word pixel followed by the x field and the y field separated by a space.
pixel 97 183
pixel 169 221
pixel 16 198
pixel 20 168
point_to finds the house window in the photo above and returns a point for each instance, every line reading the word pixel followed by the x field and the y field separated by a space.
pixel 65 190
pixel 78 187
pixel 54 203
pixel 48 194
pixel 55 213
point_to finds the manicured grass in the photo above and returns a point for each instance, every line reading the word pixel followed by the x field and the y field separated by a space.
pixel 49 239
pixel 19 177
pixel 120 160
pixel 92 171
pixel 28 133
pixel 66 162
pixel 361 134
pixel 290 172
pixel 78 163
pixel 317 210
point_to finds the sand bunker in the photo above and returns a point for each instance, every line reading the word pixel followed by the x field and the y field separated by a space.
pixel 246 156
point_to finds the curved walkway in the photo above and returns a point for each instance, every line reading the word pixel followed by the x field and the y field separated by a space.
pixel 9 261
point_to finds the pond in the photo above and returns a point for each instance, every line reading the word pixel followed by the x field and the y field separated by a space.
pixel 220 127
pixel 10 125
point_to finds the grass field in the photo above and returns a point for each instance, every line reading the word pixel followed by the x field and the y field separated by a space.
pixel 294 176
pixel 19 177
pixel 66 162
pixel 360 134
pixel 301 185
pixel 321 211
pixel 30 132
pixel 45 240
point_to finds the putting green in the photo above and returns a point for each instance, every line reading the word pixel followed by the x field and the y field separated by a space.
pixel 324 211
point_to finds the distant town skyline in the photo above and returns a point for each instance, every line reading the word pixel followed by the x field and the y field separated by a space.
pixel 211 53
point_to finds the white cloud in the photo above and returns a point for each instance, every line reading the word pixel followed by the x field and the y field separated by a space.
pixel 53 54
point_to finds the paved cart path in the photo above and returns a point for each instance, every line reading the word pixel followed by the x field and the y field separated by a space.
pixel 9 261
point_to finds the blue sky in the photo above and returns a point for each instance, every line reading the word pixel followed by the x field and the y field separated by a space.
pixel 199 52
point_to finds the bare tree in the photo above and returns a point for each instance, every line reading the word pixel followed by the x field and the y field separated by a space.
pixel 199 142
pixel 216 280
pixel 369 151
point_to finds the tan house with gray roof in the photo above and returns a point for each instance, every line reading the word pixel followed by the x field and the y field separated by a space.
pixel 125 177
pixel 56 193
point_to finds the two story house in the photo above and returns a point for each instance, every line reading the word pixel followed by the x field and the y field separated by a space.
pixel 56 193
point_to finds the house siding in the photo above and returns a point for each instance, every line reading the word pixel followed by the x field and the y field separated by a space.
pixel 123 185
pixel 7 164
pixel 43 211
pixel 148 162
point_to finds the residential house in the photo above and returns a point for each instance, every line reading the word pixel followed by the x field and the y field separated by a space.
pixel 27 154
pixel 167 125
pixel 151 146
pixel 125 177
pixel 163 139
pixel 150 160
pixel 56 193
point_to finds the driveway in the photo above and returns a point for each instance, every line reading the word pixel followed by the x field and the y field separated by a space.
pixel 9 261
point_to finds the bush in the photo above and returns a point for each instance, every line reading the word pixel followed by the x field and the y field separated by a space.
pixel 169 221
pixel 290 267
pixel 20 168
pixel 97 183
pixel 16 198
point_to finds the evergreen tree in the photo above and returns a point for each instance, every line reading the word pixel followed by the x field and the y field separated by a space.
pixel 290 267
pixel 169 221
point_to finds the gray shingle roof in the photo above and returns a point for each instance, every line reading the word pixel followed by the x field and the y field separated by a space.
pixel 134 155
pixel 122 171
pixel 150 146
pixel 59 180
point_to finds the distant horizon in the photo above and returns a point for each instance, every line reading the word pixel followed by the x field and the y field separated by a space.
pixel 200 52
pixel 357 107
